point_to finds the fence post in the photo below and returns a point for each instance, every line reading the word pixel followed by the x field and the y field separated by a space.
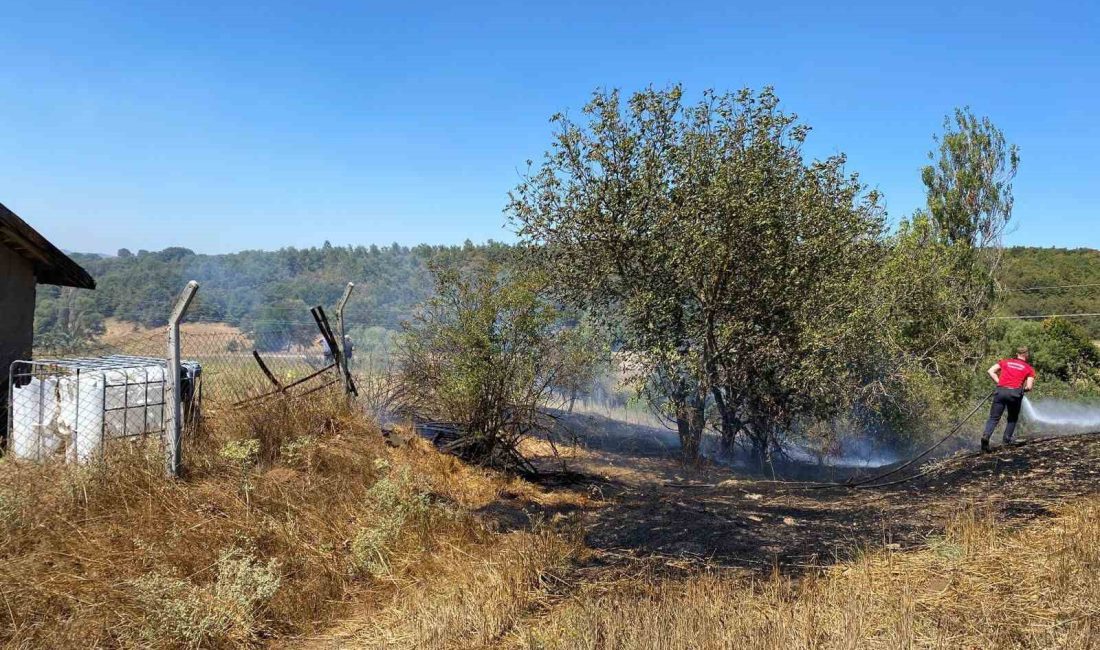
pixel 173 428
pixel 343 340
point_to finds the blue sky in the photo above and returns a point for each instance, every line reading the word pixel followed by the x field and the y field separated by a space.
pixel 231 125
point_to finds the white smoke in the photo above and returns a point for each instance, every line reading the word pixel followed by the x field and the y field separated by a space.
pixel 1062 417
pixel 853 452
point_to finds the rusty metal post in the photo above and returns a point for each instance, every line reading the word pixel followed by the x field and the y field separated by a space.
pixel 349 386
pixel 173 428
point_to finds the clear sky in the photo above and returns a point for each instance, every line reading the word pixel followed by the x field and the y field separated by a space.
pixel 229 125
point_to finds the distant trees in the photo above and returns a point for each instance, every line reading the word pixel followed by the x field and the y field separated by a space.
pixel 237 287
pixel 67 319
pixel 1064 357
pixel 278 326
pixel 1022 269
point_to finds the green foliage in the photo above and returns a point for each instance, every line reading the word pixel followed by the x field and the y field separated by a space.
pixel 584 355
pixel 969 196
pixel 1061 352
pixel 373 345
pixel 244 452
pixel 273 330
pixel 727 265
pixel 928 326
pixel 934 290
pixel 484 352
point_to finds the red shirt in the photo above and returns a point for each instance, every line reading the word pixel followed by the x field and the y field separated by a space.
pixel 1014 372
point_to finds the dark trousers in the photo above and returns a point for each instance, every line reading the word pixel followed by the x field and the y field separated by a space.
pixel 1005 399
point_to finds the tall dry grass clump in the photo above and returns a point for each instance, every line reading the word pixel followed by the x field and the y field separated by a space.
pixel 976 587
pixel 286 508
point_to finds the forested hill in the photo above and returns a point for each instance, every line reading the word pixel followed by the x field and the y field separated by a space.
pixel 1029 277
pixel 250 286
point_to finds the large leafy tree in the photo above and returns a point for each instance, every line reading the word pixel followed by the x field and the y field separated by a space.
pixel 729 265
pixel 969 190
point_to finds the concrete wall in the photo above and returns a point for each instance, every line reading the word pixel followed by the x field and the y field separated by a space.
pixel 16 318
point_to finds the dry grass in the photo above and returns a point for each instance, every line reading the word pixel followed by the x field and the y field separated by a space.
pixel 120 333
pixel 467 596
pixel 296 516
pixel 285 512
pixel 977 587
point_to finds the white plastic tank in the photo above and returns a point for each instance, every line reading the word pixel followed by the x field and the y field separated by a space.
pixel 69 407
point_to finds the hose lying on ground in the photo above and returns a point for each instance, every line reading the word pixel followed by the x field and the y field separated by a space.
pixel 864 483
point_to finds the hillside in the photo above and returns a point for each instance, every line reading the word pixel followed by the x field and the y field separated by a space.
pixel 300 526
pixel 1024 268
pixel 249 287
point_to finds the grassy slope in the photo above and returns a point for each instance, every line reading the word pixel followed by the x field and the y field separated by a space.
pixel 295 518
pixel 979 586
pixel 287 512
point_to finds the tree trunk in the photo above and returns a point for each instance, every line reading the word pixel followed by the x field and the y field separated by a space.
pixel 729 429
pixel 689 424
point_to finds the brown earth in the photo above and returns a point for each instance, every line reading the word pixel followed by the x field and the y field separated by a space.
pixel 655 508
pixel 120 333
pixel 646 525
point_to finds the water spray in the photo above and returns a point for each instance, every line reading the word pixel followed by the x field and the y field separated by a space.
pixel 1062 417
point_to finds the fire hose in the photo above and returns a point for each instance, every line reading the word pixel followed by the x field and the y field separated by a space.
pixel 865 483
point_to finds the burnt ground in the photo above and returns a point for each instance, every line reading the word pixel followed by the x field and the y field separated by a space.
pixel 653 508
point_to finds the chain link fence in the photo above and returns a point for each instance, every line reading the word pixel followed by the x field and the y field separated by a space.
pixel 286 358
pixel 70 403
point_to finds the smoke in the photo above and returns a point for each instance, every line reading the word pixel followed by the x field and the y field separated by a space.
pixel 630 426
pixel 850 452
pixel 1062 417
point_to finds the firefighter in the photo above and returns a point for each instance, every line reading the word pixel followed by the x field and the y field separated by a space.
pixel 1013 377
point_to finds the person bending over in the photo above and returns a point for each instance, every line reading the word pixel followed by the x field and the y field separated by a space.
pixel 1013 377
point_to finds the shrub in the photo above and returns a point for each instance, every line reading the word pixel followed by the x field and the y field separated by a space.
pixel 394 503
pixel 484 353
pixel 225 611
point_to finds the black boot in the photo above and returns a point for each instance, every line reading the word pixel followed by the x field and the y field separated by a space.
pixel 985 445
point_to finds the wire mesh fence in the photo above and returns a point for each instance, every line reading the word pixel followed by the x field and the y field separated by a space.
pixel 287 358
pixel 76 397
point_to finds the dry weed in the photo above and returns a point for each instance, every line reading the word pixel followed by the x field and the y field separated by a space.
pixel 259 540
pixel 977 587
pixel 470 594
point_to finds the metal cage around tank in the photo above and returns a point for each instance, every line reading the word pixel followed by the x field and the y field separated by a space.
pixel 70 408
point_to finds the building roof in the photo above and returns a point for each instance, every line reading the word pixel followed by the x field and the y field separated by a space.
pixel 51 266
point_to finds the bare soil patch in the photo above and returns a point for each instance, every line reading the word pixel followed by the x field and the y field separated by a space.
pixel 655 508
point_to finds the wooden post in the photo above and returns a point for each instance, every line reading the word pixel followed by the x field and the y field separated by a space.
pixel 173 426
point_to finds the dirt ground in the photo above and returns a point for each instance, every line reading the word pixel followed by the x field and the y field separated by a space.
pixel 645 514
pixel 656 509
